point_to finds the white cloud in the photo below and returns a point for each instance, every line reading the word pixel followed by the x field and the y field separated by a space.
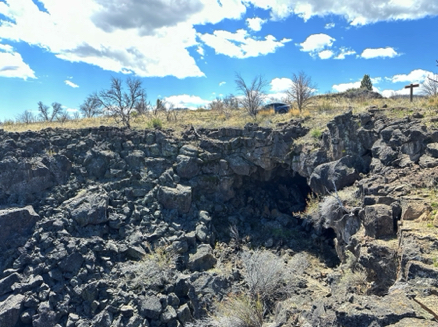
pixel 148 38
pixel 71 110
pixel 69 83
pixel 391 93
pixel 240 44
pixel 345 86
pixel 200 50
pixel 316 43
pixel 222 83
pixel 326 54
pixel 276 97
pixel 355 85
pixel 255 23
pixel 6 48
pixel 379 52
pixel 376 80
pixel 12 64
pixel 356 12
pixel 186 101
pixel 329 26
pixel 344 52
pixel 415 76
pixel 280 85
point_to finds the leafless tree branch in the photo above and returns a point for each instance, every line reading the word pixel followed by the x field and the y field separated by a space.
pixel 26 117
pixel 91 106
pixel 301 89
pixel 119 103
pixel 253 94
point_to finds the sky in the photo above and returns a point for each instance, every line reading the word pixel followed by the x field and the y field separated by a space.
pixel 188 52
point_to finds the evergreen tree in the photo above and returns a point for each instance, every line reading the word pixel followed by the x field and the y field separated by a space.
pixel 366 83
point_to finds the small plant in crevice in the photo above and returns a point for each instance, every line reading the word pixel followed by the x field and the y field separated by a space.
pixel 312 204
pixel 235 237
pixel 316 133
pixel 354 278
pixel 154 269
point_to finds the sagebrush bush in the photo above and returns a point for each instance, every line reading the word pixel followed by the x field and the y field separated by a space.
pixel 265 275
pixel 238 310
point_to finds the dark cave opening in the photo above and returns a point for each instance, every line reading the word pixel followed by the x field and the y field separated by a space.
pixel 268 210
pixel 282 190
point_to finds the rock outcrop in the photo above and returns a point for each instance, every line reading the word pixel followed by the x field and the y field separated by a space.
pixel 112 227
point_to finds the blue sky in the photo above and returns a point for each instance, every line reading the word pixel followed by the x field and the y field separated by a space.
pixel 187 52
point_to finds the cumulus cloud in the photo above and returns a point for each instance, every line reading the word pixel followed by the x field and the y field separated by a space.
pixel 387 52
pixel 12 64
pixel 415 76
pixel 391 93
pixel 326 54
pixel 186 101
pixel 240 44
pixel 71 84
pixel 280 85
pixel 148 38
pixel 329 26
pixel 255 23
pixel 344 52
pixel 356 12
pixel 143 16
pixel 222 83
pixel 316 43
pixel 345 86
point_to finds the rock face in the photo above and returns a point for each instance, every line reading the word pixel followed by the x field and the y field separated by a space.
pixel 88 207
pixel 112 227
pixel 16 226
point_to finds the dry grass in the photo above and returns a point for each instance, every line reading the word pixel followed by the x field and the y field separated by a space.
pixel 320 111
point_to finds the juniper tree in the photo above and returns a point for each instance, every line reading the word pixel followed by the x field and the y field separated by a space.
pixel 366 83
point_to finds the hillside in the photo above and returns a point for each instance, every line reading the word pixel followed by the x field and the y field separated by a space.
pixel 324 220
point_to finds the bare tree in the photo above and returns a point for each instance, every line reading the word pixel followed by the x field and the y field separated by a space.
pixel 76 115
pixel 142 105
pixel 63 117
pixel 45 113
pixel 253 94
pixel 217 105
pixel 91 106
pixel 158 107
pixel 171 112
pixel 56 111
pixel 26 117
pixel 301 89
pixel 231 102
pixel 430 86
pixel 121 104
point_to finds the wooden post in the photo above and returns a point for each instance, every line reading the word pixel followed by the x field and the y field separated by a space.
pixel 411 86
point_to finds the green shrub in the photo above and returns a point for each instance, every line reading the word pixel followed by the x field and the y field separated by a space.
pixel 316 133
pixel 155 123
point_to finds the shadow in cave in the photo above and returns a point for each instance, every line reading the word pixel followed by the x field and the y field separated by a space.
pixel 267 211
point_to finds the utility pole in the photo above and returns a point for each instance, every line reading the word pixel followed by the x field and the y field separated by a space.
pixel 411 86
